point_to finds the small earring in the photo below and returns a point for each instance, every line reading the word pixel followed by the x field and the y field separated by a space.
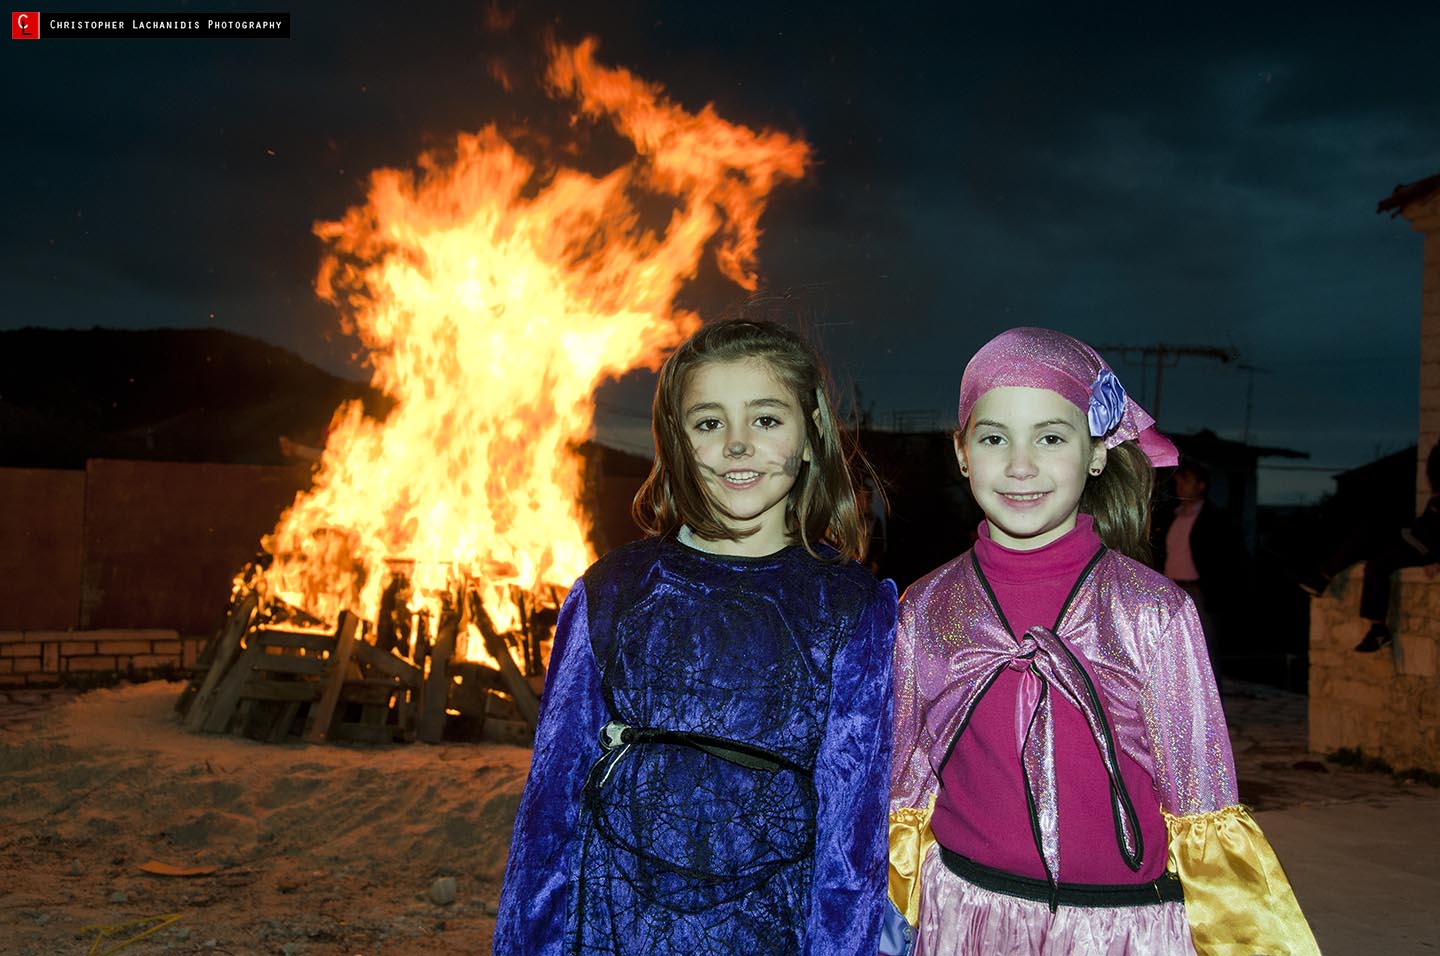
pixel 1094 472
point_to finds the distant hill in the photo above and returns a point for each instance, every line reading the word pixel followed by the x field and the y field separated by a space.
pixel 162 394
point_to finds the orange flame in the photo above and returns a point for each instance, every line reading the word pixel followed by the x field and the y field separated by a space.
pixel 493 300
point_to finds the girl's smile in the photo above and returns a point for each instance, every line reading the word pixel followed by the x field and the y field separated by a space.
pixel 741 479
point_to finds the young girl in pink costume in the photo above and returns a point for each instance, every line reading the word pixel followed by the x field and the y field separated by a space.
pixel 1062 779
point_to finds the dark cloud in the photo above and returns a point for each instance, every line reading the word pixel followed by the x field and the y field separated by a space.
pixel 1205 174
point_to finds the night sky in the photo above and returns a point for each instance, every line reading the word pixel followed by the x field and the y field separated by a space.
pixel 1200 176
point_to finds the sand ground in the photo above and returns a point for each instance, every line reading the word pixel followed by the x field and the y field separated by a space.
pixel 317 850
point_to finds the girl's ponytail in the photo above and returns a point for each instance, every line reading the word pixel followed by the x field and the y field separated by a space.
pixel 1119 501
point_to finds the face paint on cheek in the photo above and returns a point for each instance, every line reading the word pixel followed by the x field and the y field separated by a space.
pixel 792 464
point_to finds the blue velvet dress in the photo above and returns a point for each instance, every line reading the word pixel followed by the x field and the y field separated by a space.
pixel 737 801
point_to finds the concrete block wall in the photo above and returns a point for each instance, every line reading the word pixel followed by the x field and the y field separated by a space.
pixel 48 658
pixel 1386 704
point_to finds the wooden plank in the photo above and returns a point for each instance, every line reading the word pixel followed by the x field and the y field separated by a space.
pixel 476 674
pixel 296 640
pixel 227 649
pixel 203 662
pixel 515 683
pixel 289 664
pixel 228 694
pixel 257 688
pixel 281 728
pixel 372 658
pixel 501 706
pixel 368 692
pixel 435 695
pixel 324 711
pixel 363 733
pixel 407 705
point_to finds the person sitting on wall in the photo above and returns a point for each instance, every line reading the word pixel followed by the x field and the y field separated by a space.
pixel 1415 545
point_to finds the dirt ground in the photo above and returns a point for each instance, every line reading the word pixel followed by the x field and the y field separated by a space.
pixel 335 850
pixel 327 850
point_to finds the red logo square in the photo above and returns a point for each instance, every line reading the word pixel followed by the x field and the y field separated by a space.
pixel 25 26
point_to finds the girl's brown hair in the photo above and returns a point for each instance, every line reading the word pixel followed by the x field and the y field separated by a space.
pixel 1119 500
pixel 821 505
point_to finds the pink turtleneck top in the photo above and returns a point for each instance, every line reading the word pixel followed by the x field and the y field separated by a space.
pixel 981 810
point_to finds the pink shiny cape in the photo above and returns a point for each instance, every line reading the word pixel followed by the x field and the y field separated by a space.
pixel 1129 652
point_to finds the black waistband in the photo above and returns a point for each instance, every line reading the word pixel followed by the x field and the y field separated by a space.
pixel 1164 890
pixel 616 734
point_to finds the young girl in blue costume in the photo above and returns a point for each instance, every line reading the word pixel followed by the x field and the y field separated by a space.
pixel 1063 781
pixel 709 774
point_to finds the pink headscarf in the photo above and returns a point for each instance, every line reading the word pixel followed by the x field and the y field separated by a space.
pixel 1044 358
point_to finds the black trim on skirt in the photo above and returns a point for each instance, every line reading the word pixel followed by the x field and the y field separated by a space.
pixel 1166 889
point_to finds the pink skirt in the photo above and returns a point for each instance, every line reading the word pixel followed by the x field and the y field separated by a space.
pixel 958 918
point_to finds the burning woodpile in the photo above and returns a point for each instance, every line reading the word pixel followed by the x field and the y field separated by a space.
pixel 413 587
pixel 272 673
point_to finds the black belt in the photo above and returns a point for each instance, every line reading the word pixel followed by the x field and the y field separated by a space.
pixel 616 734
pixel 1166 889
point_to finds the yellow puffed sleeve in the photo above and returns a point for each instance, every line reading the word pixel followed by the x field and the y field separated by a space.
pixel 910 839
pixel 1237 898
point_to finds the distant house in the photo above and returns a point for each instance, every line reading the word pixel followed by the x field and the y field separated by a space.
pixel 1383 704
pixel 1419 202
pixel 1233 468
pixel 1379 494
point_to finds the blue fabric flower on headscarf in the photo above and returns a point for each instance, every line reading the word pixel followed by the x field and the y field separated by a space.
pixel 1107 403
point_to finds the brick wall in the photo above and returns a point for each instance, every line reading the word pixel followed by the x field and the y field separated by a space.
pixel 43 658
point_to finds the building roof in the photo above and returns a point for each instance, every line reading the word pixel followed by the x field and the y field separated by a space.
pixel 1212 449
pixel 1408 195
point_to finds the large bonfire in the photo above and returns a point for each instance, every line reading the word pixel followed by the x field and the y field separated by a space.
pixel 493 294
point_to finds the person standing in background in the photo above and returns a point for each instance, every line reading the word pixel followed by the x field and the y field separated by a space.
pixel 1198 545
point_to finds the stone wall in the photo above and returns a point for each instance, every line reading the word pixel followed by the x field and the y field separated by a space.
pixel 1386 704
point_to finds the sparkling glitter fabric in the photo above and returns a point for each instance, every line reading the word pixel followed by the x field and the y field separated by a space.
pixel 1044 358
pixel 961 919
pixel 1129 653
pixel 665 848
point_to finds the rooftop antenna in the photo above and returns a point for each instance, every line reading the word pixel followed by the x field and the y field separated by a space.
pixel 1168 356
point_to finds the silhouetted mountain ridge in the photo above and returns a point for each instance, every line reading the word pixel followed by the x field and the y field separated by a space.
pixel 67 395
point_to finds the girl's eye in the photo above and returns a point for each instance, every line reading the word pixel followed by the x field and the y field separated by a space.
pixel 706 424
pixel 989 440
pixel 767 421
pixel 1052 440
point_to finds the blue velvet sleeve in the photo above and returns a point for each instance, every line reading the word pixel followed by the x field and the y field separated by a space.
pixel 852 779
pixel 538 875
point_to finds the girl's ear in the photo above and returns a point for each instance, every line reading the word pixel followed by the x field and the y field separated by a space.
pixel 814 417
pixel 960 455
pixel 1098 456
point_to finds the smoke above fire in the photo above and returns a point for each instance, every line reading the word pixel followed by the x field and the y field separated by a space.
pixel 494 293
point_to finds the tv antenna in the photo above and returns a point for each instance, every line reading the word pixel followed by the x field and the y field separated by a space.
pixel 1166 356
